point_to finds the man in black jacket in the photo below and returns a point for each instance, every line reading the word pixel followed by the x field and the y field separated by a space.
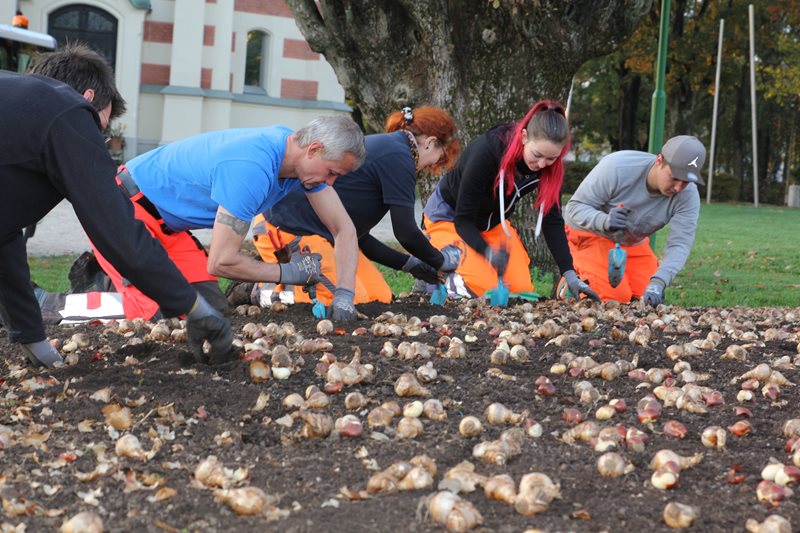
pixel 51 148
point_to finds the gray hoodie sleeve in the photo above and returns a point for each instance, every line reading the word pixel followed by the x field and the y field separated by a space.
pixel 682 228
pixel 588 208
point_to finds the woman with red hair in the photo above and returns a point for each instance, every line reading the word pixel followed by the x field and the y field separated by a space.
pixel 472 201
pixel 415 139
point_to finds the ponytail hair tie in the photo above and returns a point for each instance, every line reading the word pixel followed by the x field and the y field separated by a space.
pixel 408 116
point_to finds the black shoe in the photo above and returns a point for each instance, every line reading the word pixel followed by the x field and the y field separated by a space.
pixel 238 293
pixel 85 275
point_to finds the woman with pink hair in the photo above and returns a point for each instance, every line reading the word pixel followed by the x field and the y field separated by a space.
pixel 494 173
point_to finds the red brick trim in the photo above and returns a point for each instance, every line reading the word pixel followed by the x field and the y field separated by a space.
pixel 205 77
pixel 298 49
pixel 208 35
pixel 152 74
pixel 157 32
pixel 277 8
pixel 299 89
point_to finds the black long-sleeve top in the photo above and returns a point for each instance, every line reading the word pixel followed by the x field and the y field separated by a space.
pixel 469 189
pixel 51 148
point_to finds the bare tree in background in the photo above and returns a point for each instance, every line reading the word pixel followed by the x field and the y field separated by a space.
pixel 485 61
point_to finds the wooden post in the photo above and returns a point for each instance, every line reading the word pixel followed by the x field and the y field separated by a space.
pixel 753 105
pixel 710 179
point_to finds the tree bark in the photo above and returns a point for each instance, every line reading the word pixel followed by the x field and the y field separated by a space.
pixel 486 62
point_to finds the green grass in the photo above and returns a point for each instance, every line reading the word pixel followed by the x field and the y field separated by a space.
pixel 51 272
pixel 741 256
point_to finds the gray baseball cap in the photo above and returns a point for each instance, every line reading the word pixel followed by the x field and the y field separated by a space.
pixel 685 156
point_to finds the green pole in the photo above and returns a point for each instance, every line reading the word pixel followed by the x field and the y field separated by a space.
pixel 659 106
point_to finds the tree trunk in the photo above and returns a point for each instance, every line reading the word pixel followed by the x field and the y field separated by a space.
pixel 486 62
pixel 738 133
pixel 629 87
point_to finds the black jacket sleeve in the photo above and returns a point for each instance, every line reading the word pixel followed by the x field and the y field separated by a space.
pixel 556 239
pixel 376 251
pixel 411 237
pixel 78 163
pixel 479 168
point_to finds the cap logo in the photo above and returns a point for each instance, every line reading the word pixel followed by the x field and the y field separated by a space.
pixel 693 162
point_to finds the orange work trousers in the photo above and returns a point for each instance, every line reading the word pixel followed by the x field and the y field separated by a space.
pixel 478 274
pixel 590 258
pixel 182 248
pixel 370 285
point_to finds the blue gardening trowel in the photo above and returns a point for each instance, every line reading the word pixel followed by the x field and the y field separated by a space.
pixel 439 295
pixel 317 308
pixel 499 297
pixel 617 257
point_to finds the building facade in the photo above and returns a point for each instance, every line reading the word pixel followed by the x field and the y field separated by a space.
pixel 190 66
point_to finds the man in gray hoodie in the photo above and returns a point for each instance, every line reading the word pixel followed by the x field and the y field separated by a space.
pixel 628 196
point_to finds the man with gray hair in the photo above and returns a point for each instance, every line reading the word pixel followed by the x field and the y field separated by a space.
pixel 221 180
pixel 626 198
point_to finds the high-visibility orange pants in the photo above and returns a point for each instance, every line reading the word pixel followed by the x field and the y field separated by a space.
pixel 479 275
pixel 590 258
pixel 370 285
pixel 182 248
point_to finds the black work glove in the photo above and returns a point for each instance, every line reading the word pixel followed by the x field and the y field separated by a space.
pixel 302 269
pixel 577 286
pixel 498 258
pixel 342 307
pixel 42 353
pixel 421 270
pixel 204 323
pixel 654 292
pixel 617 218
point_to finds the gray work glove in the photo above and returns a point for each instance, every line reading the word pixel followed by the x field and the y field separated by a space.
pixel 577 286
pixel 452 258
pixel 421 270
pixel 42 353
pixel 342 307
pixel 498 258
pixel 617 218
pixel 204 323
pixel 654 293
pixel 302 269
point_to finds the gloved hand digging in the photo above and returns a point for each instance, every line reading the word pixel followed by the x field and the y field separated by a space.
pixel 654 292
pixel 617 218
pixel 204 323
pixel 302 269
pixel 452 258
pixel 342 307
pixel 577 286
pixel 42 353
pixel 421 270
pixel 498 258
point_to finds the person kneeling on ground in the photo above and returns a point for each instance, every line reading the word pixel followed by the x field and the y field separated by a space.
pixel 487 183
pixel 233 175
pixel 627 197
pixel 54 150
pixel 415 140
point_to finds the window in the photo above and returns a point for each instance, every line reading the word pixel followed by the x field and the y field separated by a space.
pixel 255 71
pixel 87 24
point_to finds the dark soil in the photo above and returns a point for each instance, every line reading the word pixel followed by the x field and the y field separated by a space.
pixel 211 415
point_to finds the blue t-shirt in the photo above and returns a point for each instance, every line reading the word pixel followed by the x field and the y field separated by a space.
pixel 237 169
pixel 387 177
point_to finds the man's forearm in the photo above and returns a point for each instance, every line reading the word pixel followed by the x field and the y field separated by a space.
pixel 243 268
pixel 345 252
